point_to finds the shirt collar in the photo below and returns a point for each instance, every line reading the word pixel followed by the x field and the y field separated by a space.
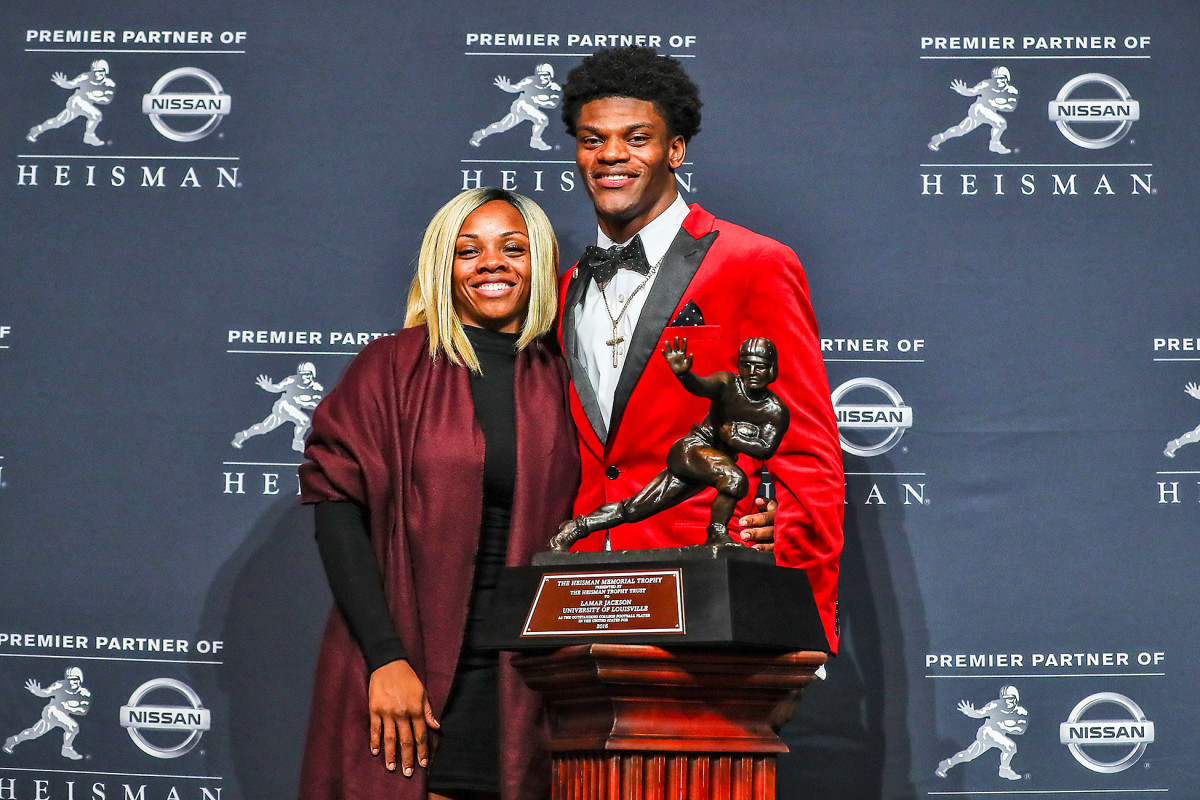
pixel 658 233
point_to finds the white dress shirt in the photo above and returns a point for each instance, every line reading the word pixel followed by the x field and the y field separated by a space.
pixel 593 325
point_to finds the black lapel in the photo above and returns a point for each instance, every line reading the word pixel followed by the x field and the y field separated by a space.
pixel 678 268
pixel 576 289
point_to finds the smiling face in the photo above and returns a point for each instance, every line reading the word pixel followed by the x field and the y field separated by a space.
pixel 491 273
pixel 626 155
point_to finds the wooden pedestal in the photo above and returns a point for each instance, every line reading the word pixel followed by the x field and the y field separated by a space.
pixel 638 722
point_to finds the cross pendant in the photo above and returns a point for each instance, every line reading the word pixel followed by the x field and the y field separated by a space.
pixel 615 344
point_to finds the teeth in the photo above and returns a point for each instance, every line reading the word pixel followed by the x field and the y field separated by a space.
pixel 492 287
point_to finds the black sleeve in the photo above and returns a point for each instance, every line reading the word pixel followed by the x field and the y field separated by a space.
pixel 355 580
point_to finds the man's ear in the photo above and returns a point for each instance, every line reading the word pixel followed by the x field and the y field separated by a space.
pixel 676 152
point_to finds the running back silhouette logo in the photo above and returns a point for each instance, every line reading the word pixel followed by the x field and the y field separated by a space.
pixel 993 97
pixel 536 94
pixel 92 88
pixel 1002 719
pixel 67 698
pixel 1192 436
pixel 298 396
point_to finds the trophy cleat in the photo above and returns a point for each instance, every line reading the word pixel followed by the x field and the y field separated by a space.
pixel 9 744
pixel 996 147
pixel 71 753
pixel 942 768
pixel 1007 772
pixel 718 535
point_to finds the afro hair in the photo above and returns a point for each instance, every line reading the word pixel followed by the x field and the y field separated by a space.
pixel 639 73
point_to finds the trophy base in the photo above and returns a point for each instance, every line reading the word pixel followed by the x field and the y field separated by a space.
pixel 711 597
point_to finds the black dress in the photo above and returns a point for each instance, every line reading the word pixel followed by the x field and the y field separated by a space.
pixel 468 740
pixel 467 755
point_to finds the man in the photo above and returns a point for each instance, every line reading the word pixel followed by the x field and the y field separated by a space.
pixel 994 96
pixel 534 93
pixel 1002 718
pixel 67 698
pixel 299 394
pixel 716 284
pixel 91 89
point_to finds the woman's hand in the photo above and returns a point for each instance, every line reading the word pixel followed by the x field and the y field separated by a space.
pixel 399 712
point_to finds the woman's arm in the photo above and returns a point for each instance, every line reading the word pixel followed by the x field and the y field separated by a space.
pixel 396 697
pixel 355 580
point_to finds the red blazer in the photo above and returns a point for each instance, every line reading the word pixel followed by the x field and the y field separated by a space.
pixel 744 285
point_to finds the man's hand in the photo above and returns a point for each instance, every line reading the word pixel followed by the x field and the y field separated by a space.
pixel 966 708
pixel 1193 389
pixel 61 80
pixel 400 712
pixel 759 528
pixel 265 383
pixel 677 356
pixel 501 82
pixel 961 88
pixel 33 687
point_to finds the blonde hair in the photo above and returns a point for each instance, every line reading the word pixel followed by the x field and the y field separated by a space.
pixel 431 296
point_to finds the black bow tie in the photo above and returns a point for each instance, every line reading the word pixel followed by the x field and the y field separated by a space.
pixel 603 263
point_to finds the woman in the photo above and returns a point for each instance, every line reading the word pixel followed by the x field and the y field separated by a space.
pixel 445 452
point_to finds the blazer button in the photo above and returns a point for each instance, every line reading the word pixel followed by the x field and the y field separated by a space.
pixel 612 473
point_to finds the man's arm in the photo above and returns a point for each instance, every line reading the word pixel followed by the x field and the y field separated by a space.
pixel 807 466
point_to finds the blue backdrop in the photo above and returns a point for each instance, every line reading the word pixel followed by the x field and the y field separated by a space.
pixel 239 190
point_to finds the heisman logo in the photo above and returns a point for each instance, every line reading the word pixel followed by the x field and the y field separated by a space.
pixel 1078 733
pixel 136 718
pixel 534 93
pixel 892 416
pixel 93 88
pixel 1192 436
pixel 159 103
pixel 1065 110
pixel 298 395
pixel 67 698
pixel 1002 718
pixel 993 97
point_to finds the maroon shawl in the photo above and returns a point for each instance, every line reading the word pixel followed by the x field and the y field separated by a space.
pixel 398 435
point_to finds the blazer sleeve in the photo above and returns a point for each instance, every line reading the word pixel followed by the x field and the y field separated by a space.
pixel 807 468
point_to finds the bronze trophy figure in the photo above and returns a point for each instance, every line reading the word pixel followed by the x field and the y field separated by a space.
pixel 744 416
